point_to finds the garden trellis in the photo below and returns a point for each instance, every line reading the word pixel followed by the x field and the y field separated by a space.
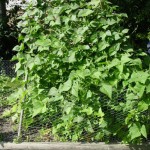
pixel 85 82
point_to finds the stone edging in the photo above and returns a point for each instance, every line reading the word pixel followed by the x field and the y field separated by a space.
pixel 71 146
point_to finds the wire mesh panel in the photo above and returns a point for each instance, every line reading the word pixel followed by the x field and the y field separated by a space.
pixel 54 124
pixel 85 128
pixel 7 72
pixel 7 68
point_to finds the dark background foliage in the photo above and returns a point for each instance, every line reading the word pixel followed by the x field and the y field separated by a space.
pixel 8 31
pixel 138 19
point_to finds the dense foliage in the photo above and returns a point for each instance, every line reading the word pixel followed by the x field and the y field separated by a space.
pixel 7 88
pixel 72 52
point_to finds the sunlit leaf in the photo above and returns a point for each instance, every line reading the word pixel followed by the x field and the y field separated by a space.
pixel 106 89
pixel 84 12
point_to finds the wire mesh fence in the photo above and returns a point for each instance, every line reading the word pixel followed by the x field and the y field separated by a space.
pixel 7 68
pixel 42 128
pixel 7 72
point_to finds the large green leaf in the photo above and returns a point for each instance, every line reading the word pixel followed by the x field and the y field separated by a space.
pixel 143 131
pixel 114 48
pixel 139 76
pixel 84 12
pixel 89 94
pixel 102 45
pixel 38 107
pixel 75 88
pixel 106 89
pixel 88 110
pixel 125 58
pixel 43 42
pixel 78 119
pixel 134 131
pixel 53 91
pixel 142 106
pixel 72 57
pixel 67 85
pixel 139 89
pixel 17 67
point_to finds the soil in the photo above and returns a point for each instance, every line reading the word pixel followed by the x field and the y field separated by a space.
pixel 7 133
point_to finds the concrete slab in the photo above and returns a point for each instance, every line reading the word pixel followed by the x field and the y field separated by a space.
pixel 71 146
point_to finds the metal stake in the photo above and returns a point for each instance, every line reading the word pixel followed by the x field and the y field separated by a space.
pixel 21 113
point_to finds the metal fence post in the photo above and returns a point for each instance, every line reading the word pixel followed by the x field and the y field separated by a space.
pixel 21 113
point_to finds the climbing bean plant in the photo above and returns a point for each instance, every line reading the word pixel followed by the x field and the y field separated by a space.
pixel 73 52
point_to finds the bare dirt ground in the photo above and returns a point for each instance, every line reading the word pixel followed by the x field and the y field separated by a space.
pixel 7 132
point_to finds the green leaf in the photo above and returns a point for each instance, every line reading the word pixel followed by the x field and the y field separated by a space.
pixel 16 48
pixel 117 36
pixel 81 30
pixel 89 128
pixel 102 45
pixel 77 39
pixel 84 12
pixel 139 76
pixel 75 88
pixel 139 89
pixel 75 137
pixel 106 89
pixel 72 57
pixel 30 65
pixel 125 31
pixel 131 96
pixel 53 91
pixel 86 47
pixel 44 109
pixel 43 42
pixel 125 58
pixel 18 66
pixel 38 107
pixel 88 110
pixel 94 3
pixel 20 72
pixel 80 73
pixel 108 33
pixel 136 62
pixel 100 113
pixel 67 85
pixel 113 63
pixel 78 119
pixel 143 131
pixel 142 106
pixel 113 49
pixel 37 60
pixel 148 88
pixel 89 94
pixel 134 131
pixel 96 75
pixel 67 110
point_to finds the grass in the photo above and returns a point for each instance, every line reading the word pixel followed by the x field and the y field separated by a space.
pixel 8 87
